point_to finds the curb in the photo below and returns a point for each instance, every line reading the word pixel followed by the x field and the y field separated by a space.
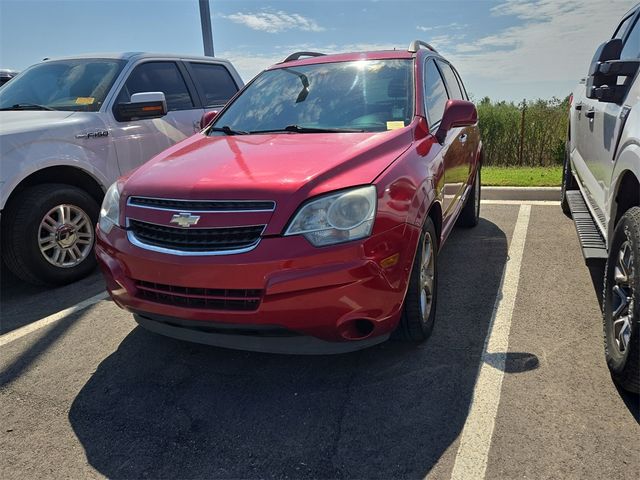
pixel 521 193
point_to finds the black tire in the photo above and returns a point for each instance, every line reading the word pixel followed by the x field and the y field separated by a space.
pixel 623 362
pixel 414 325
pixel 470 213
pixel 20 233
pixel 568 183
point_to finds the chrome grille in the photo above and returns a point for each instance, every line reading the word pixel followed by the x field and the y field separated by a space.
pixel 203 205
pixel 221 239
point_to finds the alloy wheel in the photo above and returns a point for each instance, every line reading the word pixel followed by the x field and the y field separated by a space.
pixel 622 298
pixel 65 236
pixel 427 276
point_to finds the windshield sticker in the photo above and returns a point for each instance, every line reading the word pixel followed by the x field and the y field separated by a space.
pixel 85 100
pixel 394 125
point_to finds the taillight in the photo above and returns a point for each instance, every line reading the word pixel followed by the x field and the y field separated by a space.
pixel 570 100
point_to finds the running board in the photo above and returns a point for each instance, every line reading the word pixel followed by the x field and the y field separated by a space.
pixel 591 241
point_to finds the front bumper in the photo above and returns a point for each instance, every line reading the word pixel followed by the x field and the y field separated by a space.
pixel 326 293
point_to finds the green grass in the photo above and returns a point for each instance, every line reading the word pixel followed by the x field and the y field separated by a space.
pixel 522 176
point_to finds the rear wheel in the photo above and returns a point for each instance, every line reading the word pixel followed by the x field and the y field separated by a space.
pixel 471 211
pixel 419 309
pixel 49 233
pixel 621 305
pixel 568 183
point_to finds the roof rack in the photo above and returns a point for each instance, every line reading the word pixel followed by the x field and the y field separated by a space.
pixel 416 44
pixel 297 55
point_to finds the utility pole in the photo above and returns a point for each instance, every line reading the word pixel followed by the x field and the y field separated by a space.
pixel 207 33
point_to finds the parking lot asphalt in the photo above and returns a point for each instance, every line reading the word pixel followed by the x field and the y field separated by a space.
pixel 92 395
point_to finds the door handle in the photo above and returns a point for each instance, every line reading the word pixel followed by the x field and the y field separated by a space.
pixel 578 106
pixel 463 138
pixel 591 113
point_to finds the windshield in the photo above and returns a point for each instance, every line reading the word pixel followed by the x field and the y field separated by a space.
pixel 75 85
pixel 365 95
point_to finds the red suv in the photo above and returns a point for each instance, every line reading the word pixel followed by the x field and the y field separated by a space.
pixel 307 217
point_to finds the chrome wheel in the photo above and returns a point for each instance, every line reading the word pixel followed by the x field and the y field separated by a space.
pixel 427 275
pixel 622 298
pixel 65 236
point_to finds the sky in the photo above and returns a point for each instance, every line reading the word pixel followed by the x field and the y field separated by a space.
pixel 503 49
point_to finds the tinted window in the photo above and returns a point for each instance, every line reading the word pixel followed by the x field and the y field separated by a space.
pixel 631 47
pixel 158 77
pixel 462 87
pixel 452 82
pixel 215 82
pixel 622 28
pixel 369 95
pixel 434 93
pixel 72 85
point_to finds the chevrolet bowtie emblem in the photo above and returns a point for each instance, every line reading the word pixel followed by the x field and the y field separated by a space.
pixel 185 220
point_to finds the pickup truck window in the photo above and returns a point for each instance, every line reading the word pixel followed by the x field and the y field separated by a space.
pixel 158 77
pixel 435 94
pixel 215 83
pixel 631 49
pixel 71 85
pixel 622 28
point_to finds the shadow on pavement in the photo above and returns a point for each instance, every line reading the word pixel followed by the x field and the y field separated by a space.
pixel 22 303
pixel 159 407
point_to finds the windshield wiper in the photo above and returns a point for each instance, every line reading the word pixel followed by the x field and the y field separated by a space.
pixel 228 130
pixel 27 106
pixel 300 129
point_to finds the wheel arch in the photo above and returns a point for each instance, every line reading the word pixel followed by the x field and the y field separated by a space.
pixel 65 174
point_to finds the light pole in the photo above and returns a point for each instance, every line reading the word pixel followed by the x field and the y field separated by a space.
pixel 207 33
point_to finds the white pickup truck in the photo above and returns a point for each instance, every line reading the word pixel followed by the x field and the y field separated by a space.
pixel 70 127
pixel 601 188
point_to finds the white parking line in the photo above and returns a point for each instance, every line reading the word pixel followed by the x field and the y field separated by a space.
pixel 475 440
pixel 43 322
pixel 544 203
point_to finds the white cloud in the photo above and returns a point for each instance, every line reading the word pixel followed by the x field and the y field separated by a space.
pixel 274 22
pixel 450 26
pixel 553 42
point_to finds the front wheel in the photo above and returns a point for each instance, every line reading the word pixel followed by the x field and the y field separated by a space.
pixel 621 306
pixel 49 233
pixel 419 309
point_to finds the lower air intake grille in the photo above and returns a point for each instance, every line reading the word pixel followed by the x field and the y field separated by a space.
pixel 204 298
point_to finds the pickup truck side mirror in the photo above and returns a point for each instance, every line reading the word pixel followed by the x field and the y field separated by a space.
pixel 457 113
pixel 143 106
pixel 604 82
pixel 207 118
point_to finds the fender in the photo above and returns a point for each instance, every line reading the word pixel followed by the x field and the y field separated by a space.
pixel 628 161
pixel 18 165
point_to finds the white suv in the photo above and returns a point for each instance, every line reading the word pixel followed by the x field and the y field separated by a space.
pixel 69 127
pixel 601 188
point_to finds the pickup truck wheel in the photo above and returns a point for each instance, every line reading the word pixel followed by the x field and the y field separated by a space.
pixel 621 305
pixel 470 213
pixel 419 309
pixel 49 233
pixel 568 183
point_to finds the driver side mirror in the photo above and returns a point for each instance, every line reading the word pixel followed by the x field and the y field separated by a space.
pixel 143 106
pixel 457 113
pixel 207 118
pixel 603 82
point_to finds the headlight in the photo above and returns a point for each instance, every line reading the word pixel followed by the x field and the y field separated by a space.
pixel 336 218
pixel 110 211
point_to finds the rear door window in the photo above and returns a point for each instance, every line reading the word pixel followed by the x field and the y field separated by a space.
pixel 452 82
pixel 215 83
pixel 162 77
pixel 435 93
pixel 631 49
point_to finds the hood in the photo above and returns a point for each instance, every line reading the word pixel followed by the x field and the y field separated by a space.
pixel 252 166
pixel 285 167
pixel 29 121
